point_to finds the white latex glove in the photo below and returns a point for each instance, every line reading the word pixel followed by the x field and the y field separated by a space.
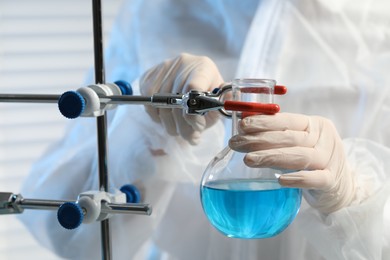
pixel 180 75
pixel 308 144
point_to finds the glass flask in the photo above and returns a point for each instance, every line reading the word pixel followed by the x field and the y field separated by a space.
pixel 244 202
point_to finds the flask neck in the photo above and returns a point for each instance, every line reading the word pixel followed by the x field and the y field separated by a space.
pixel 235 121
pixel 251 90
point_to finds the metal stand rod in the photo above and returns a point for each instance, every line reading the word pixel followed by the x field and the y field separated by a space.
pixel 101 122
pixel 139 100
pixel 141 209
pixel 106 239
pixel 98 41
pixel 115 99
pixel 41 204
pixel 102 152
pixel 109 208
pixel 29 98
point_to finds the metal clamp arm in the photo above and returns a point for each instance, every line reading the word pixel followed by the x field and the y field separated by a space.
pixel 11 203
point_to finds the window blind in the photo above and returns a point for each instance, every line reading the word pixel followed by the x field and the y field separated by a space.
pixel 46 46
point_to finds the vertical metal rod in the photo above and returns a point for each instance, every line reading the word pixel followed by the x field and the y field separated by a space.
pixel 98 41
pixel 101 122
pixel 103 185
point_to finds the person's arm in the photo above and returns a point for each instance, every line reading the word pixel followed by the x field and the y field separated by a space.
pixel 344 186
pixel 360 230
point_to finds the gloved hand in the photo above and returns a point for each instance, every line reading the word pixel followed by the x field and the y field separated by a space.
pixel 180 75
pixel 308 144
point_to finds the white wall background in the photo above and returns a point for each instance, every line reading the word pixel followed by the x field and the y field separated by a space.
pixel 46 46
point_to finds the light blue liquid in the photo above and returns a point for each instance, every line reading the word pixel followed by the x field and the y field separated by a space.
pixel 250 208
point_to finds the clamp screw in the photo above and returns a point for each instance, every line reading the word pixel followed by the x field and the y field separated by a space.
pixel 132 193
pixel 125 87
pixel 71 104
pixel 70 215
pixel 192 102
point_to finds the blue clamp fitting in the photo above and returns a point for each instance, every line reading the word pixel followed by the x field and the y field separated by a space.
pixel 125 87
pixel 215 90
pixel 132 193
pixel 71 104
pixel 70 215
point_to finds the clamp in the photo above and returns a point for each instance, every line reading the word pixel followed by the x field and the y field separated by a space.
pixel 90 206
pixel 95 99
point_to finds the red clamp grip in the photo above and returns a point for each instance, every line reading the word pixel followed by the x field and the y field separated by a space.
pixel 252 107
pixel 278 90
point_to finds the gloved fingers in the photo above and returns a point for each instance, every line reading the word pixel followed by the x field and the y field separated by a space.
pixel 204 76
pixel 211 118
pixel 276 122
pixel 181 75
pixel 153 113
pixel 152 80
pixel 197 122
pixel 185 129
pixel 272 139
pixel 317 179
pixel 293 158
pixel 168 121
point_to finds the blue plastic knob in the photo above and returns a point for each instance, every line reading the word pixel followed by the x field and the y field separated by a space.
pixel 70 215
pixel 132 193
pixel 125 87
pixel 71 104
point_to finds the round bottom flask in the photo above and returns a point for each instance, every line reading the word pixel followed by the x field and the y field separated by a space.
pixel 244 202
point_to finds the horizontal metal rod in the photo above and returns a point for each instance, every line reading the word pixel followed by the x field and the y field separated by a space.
pixel 128 208
pixel 29 98
pixel 109 208
pixel 43 98
pixel 143 100
pixel 41 204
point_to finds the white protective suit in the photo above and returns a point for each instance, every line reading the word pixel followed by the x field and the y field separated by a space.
pixel 334 58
